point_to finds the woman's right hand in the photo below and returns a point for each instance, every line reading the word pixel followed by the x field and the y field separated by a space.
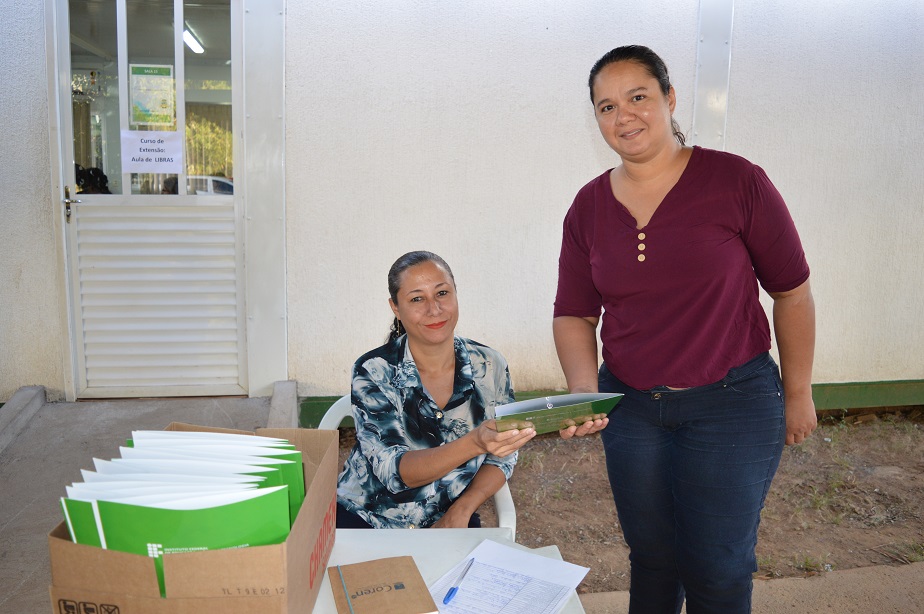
pixel 419 467
pixel 500 444
pixel 588 428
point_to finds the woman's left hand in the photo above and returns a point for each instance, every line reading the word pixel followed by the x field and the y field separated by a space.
pixel 453 519
pixel 801 419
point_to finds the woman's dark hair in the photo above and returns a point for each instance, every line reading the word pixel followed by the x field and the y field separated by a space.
pixel 394 281
pixel 652 63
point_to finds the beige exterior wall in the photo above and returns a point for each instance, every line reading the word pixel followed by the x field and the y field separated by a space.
pixel 465 128
pixel 31 340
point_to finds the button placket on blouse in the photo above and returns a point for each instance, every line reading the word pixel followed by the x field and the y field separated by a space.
pixel 641 246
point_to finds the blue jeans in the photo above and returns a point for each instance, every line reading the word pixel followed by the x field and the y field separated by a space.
pixel 690 470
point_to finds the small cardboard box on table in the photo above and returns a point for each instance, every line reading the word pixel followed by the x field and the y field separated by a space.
pixel 277 579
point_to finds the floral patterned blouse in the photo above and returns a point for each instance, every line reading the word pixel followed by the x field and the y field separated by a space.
pixel 394 413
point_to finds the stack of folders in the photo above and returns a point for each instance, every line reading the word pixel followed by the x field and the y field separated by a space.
pixel 177 491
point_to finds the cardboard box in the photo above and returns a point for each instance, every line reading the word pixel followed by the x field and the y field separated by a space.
pixel 278 579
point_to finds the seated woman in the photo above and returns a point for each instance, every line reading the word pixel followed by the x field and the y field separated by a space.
pixel 427 453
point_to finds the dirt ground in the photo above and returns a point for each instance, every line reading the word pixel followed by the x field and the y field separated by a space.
pixel 850 496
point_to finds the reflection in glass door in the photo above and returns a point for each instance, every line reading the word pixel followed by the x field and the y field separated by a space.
pixel 200 110
pixel 95 97
pixel 154 241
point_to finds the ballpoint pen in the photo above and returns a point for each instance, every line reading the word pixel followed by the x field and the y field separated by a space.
pixel 455 585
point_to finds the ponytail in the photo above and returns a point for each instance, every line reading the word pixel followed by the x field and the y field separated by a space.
pixel 396 330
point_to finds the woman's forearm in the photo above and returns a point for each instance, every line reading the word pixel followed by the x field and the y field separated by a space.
pixel 419 467
pixel 487 481
pixel 576 344
pixel 794 326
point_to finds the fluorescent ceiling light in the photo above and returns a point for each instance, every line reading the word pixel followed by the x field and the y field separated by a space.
pixel 192 43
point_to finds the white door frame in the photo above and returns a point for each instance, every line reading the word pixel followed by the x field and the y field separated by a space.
pixel 258 29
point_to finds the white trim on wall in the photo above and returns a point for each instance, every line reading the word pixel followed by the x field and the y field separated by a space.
pixel 713 65
pixel 262 159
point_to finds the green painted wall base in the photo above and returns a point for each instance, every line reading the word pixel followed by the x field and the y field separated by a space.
pixel 311 409
pixel 847 396
pixel 854 395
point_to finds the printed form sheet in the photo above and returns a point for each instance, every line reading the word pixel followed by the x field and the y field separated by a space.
pixel 504 580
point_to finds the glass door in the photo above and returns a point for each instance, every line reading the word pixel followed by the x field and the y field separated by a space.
pixel 153 234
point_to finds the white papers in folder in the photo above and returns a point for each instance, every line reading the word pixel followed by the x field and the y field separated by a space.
pixel 504 580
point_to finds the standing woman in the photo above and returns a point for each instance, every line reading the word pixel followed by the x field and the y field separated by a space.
pixel 427 453
pixel 672 245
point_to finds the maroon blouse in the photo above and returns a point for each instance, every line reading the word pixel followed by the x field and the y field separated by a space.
pixel 679 297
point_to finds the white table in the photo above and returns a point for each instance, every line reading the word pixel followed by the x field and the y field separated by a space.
pixel 435 551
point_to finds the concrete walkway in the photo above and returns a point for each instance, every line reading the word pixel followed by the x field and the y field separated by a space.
pixel 43 446
pixel 868 590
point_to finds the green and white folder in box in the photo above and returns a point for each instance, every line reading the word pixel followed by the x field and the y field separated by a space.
pixel 155 525
pixel 289 462
pixel 272 476
pixel 200 436
pixel 547 414
pixel 222 444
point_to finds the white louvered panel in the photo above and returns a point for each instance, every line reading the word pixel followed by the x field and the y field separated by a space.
pixel 158 294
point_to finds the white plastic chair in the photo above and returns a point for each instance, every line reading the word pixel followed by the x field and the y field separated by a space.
pixel 503 500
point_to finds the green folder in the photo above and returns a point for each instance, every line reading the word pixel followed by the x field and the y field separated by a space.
pixel 184 524
pixel 272 475
pixel 91 477
pixel 210 436
pixel 548 414
pixel 229 443
pixel 289 462
pixel 107 490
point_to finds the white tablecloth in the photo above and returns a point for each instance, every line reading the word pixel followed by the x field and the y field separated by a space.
pixel 435 551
